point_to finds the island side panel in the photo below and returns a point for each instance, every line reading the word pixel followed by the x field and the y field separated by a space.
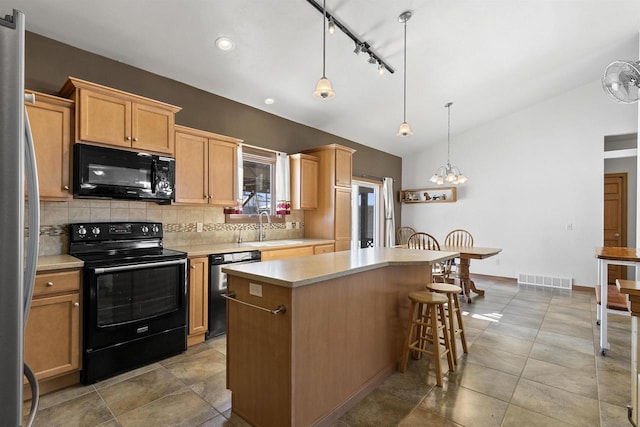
pixel 259 354
pixel 347 336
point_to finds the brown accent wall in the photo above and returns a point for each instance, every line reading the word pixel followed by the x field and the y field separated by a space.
pixel 49 63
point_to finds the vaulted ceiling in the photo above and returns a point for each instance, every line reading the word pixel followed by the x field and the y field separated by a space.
pixel 490 58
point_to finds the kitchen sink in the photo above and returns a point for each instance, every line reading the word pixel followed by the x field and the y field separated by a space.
pixel 274 243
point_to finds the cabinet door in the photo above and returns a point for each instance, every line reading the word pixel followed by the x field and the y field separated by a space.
pixel 223 162
pixel 343 167
pixel 52 337
pixel 323 249
pixel 152 128
pixel 286 253
pixel 192 168
pixel 343 219
pixel 308 184
pixel 50 126
pixel 198 295
pixel 104 118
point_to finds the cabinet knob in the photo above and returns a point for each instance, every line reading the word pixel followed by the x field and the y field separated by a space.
pixel 128 138
pixel 49 284
pixel 193 267
pixel 204 196
pixel 66 187
pixel 210 196
pixel 135 139
pixel 76 304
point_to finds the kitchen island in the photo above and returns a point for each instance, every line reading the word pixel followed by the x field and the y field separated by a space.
pixel 309 337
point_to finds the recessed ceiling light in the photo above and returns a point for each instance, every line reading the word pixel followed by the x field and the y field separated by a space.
pixel 269 101
pixel 225 43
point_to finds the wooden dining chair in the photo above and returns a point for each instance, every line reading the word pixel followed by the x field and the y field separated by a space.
pixel 403 234
pixel 458 237
pixel 442 270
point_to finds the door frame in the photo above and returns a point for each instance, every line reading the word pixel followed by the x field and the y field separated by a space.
pixel 378 230
pixel 624 212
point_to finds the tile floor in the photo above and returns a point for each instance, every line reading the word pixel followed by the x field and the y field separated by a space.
pixel 533 361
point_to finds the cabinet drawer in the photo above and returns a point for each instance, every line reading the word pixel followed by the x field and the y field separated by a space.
pixel 323 249
pixel 55 283
pixel 286 253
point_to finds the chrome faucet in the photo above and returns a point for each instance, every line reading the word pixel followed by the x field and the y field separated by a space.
pixel 261 235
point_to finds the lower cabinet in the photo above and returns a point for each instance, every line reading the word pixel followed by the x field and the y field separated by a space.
pixel 52 337
pixel 198 299
pixel 272 254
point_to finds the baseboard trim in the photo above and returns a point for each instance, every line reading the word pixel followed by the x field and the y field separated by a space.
pixel 510 280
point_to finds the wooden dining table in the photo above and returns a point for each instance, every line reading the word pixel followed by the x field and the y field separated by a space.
pixel 467 253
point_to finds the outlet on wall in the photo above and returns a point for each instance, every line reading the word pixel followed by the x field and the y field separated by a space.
pixel 199 227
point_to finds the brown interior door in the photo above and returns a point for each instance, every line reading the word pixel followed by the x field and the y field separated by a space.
pixel 615 218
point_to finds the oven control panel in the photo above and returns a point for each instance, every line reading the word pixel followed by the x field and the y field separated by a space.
pixel 114 231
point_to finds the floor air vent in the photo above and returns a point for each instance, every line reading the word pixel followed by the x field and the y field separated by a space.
pixel 548 281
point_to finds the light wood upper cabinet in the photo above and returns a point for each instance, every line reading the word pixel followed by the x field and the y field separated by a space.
pixel 223 164
pixel 304 181
pixel 192 168
pixel 52 337
pixel 206 166
pixel 50 119
pixel 198 299
pixel 332 218
pixel 109 116
pixel 343 169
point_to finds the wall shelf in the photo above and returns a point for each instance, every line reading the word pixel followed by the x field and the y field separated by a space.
pixel 429 195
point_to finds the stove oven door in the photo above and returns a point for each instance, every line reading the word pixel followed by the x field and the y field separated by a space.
pixel 129 302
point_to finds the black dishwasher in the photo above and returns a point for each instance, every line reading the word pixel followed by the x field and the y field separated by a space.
pixel 218 287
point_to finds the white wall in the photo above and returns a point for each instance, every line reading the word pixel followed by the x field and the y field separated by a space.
pixel 530 175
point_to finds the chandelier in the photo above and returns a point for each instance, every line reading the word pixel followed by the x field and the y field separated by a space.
pixel 447 173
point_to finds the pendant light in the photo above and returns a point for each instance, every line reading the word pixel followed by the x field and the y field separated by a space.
pixel 405 129
pixel 323 88
pixel 448 174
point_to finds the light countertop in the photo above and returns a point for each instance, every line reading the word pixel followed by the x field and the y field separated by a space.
pixel 306 270
pixel 217 248
pixel 58 262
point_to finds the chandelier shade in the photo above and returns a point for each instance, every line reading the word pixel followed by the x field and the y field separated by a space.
pixel 448 174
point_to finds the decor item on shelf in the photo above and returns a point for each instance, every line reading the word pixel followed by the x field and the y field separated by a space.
pixel 405 129
pixel 621 80
pixel 447 173
pixel 323 88
pixel 360 46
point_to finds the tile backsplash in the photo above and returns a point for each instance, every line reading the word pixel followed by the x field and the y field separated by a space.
pixel 179 222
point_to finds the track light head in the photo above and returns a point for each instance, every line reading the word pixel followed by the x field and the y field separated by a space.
pixel 358 48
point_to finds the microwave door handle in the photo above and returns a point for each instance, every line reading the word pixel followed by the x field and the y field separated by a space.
pixel 154 184
pixel 138 266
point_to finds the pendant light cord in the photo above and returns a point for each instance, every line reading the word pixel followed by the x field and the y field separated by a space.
pixel 448 131
pixel 404 113
pixel 324 36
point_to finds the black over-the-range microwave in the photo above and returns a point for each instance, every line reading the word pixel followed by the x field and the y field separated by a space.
pixel 109 173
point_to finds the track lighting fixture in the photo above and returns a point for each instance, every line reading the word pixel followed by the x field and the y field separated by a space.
pixel 372 59
pixel 332 26
pixel 360 46
pixel 323 88
pixel 380 69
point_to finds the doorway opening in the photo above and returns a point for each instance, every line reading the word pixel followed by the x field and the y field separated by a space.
pixel 620 198
pixel 366 214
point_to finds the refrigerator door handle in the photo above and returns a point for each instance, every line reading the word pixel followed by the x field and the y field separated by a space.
pixel 31 172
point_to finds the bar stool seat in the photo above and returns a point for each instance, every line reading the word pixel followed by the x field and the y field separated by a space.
pixel 429 325
pixel 453 314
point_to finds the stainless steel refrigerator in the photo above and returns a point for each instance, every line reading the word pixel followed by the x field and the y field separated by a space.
pixel 17 267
